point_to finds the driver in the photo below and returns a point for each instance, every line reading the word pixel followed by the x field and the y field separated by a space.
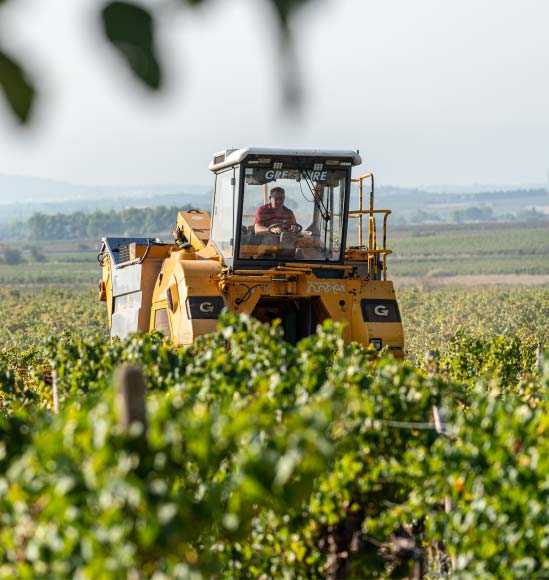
pixel 275 212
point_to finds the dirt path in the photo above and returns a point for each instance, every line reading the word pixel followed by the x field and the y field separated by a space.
pixel 428 282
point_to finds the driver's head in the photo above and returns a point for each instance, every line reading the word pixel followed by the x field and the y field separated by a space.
pixel 277 196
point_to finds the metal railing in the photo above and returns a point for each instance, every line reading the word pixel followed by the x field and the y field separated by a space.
pixel 373 253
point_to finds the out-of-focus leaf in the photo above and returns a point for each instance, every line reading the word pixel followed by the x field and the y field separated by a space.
pixel 291 80
pixel 17 88
pixel 284 8
pixel 130 29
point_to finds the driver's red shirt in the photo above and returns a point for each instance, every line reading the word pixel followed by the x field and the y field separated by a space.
pixel 267 215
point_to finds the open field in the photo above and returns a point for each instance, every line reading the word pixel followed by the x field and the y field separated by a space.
pixel 466 229
pixel 469 250
pixel 434 282
pixel 468 266
pixel 54 271
pixel 512 251
pixel 474 243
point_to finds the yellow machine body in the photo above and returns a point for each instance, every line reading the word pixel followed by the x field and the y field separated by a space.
pixel 180 288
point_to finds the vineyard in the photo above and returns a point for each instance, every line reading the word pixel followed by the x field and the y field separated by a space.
pixel 434 251
pixel 255 458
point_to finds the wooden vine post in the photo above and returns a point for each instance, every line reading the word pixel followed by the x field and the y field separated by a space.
pixel 539 357
pixel 131 390
pixel 432 366
pixel 55 390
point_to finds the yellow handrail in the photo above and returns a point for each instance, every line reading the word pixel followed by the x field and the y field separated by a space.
pixel 360 181
pixel 373 250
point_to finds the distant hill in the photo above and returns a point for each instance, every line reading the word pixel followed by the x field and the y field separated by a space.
pixel 22 189
pixel 419 206
pixel 481 188
pixel 21 196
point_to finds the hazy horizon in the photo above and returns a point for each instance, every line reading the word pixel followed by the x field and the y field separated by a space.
pixel 434 187
pixel 431 93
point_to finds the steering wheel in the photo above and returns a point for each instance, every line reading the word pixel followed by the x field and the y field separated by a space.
pixel 295 228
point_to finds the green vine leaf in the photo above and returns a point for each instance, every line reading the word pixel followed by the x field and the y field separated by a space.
pixel 131 30
pixel 17 87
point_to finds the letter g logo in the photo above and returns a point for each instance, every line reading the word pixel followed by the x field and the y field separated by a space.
pixel 381 310
pixel 206 307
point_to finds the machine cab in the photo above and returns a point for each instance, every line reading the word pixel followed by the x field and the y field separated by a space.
pixel 276 206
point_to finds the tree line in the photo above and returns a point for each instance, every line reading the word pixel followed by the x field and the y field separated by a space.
pixel 80 225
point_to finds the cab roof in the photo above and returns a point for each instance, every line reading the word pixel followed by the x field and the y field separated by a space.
pixel 233 156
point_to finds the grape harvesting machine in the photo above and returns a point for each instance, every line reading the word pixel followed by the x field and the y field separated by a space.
pixel 274 247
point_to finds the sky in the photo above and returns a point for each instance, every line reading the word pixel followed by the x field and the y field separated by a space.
pixel 430 91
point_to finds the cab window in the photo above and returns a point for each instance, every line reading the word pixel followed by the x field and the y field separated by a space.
pixel 294 214
pixel 223 212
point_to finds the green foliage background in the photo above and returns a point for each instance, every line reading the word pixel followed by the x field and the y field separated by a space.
pixel 270 459
pixel 84 225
